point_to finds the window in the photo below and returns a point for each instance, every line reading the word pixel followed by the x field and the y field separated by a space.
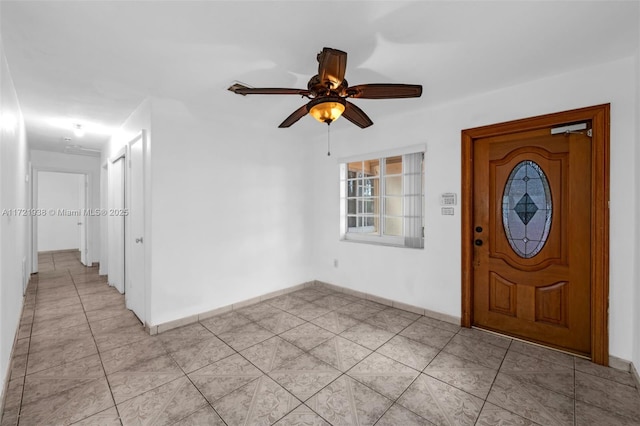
pixel 527 209
pixel 382 199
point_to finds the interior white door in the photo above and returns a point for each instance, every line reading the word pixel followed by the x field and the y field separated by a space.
pixel 134 232
pixel 116 223
pixel 82 219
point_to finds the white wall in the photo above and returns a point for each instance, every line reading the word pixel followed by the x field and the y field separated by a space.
pixel 431 278
pixel 59 191
pixel 14 246
pixel 636 281
pixel 59 162
pixel 231 210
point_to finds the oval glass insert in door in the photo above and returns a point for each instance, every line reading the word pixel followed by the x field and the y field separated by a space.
pixel 527 209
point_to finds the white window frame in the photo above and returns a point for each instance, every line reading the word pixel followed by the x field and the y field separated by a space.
pixel 415 241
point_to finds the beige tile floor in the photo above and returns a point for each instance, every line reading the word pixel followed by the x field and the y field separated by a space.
pixel 312 357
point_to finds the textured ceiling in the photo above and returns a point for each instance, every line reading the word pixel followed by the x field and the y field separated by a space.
pixel 94 61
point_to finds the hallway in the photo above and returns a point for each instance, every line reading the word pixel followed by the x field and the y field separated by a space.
pixel 313 357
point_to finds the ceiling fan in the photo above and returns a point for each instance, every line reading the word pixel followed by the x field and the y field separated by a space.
pixel 328 92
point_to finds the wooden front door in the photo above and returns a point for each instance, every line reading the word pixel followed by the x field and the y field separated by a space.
pixel 532 237
pixel 535 230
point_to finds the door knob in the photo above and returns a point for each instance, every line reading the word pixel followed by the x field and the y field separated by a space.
pixel 478 242
pixel 139 240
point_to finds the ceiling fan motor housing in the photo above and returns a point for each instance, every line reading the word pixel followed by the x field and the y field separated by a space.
pixel 326 88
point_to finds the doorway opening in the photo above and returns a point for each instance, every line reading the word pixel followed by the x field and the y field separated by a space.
pixel 62 200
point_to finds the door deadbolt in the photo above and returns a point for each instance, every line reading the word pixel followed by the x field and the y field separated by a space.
pixel 479 229
pixel 478 243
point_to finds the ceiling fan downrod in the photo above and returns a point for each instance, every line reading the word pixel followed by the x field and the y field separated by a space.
pixel 328 138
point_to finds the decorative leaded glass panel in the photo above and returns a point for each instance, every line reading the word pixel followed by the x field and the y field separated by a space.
pixel 527 209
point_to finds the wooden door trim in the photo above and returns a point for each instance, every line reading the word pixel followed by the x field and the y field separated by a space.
pixel 599 115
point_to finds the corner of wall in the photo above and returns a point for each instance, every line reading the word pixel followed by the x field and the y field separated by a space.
pixel 635 358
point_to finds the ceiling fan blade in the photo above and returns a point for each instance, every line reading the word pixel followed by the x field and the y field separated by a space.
pixel 243 90
pixel 332 65
pixel 297 115
pixel 356 116
pixel 385 91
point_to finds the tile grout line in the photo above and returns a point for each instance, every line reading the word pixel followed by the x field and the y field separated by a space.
pixel 24 377
pixel 236 352
pixel 419 371
pixel 484 402
pixel 97 350
pixel 205 398
pixel 305 352
pixel 372 351
pixel 339 335
pixel 264 373
pixel 186 375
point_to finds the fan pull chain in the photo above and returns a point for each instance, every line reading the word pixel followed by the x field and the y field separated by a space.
pixel 328 139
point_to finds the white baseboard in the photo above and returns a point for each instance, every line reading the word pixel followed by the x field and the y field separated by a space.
pixel 169 325
pixel 7 377
pixel 399 305
pixel 619 363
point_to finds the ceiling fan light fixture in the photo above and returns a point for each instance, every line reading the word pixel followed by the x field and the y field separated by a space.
pixel 328 92
pixel 327 110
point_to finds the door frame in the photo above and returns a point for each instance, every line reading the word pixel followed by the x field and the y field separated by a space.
pixel 599 115
pixel 83 192
pixel 120 280
pixel 144 307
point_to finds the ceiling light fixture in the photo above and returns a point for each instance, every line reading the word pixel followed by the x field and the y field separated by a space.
pixel 326 109
pixel 78 130
pixel 8 122
pixel 73 124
